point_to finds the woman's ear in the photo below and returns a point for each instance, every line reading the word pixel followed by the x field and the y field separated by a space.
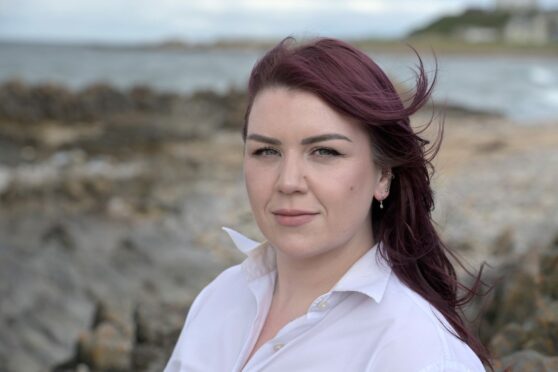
pixel 382 187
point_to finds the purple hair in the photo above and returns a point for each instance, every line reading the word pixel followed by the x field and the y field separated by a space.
pixel 352 84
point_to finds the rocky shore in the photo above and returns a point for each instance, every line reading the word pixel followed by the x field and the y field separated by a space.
pixel 111 204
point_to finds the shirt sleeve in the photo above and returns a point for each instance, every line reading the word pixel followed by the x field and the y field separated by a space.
pixel 176 361
pixel 449 366
pixel 421 354
pixel 408 366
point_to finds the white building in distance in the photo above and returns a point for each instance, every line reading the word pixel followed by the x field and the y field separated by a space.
pixel 516 5
pixel 537 28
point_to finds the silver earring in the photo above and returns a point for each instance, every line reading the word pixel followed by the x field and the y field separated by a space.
pixel 381 204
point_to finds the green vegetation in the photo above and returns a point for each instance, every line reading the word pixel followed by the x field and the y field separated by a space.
pixel 446 45
pixel 449 25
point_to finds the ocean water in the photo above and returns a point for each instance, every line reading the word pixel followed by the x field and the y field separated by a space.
pixel 523 88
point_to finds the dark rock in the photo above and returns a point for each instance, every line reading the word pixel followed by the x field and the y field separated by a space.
pixel 102 100
pixel 508 340
pixel 154 329
pixel 128 253
pixel 58 234
pixel 504 243
pixel 528 361
pixel 106 348
pixel 513 299
pixel 147 357
pixel 31 105
pixel 235 104
pixel 144 99
pixel 119 314
pixel 544 337
pixel 523 315
pixel 549 270
pixel 491 146
pixel 158 328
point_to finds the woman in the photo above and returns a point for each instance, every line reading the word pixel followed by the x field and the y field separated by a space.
pixel 352 276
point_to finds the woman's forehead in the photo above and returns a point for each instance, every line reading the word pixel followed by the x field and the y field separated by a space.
pixel 288 111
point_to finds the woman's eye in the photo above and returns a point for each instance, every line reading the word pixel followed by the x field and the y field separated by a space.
pixel 265 151
pixel 325 151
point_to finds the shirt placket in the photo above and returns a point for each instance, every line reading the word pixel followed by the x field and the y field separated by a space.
pixel 290 333
pixel 262 289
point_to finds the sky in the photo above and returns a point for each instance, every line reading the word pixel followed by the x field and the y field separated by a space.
pixel 124 21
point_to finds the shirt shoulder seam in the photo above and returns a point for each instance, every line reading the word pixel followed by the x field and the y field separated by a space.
pixel 430 312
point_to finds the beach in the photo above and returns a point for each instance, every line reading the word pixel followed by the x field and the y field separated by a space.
pixel 112 200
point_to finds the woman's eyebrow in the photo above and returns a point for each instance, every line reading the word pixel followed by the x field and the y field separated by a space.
pixel 264 139
pixel 324 137
pixel 305 141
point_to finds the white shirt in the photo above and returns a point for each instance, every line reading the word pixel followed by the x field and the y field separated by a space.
pixel 369 321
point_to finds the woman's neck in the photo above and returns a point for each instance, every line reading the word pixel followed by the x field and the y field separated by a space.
pixel 301 280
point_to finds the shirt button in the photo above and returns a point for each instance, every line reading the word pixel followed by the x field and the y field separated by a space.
pixel 277 347
pixel 323 305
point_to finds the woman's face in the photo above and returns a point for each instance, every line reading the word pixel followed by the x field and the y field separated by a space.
pixel 309 174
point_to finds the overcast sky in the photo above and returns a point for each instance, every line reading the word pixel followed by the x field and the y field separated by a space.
pixel 206 20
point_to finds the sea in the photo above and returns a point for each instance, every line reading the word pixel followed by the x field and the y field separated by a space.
pixel 523 88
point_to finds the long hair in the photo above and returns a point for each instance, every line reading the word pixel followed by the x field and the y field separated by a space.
pixel 352 84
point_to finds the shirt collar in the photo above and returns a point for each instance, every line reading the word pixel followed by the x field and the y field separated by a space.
pixel 368 275
pixel 261 257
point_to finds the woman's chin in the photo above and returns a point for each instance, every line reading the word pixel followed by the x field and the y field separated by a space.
pixel 299 250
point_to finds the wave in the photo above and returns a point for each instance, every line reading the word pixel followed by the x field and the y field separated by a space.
pixel 542 76
pixel 551 96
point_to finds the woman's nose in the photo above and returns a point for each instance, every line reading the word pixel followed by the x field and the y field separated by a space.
pixel 291 176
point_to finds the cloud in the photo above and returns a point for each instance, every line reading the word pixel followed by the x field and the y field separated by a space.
pixel 138 20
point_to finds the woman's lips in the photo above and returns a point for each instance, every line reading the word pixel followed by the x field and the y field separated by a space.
pixel 293 217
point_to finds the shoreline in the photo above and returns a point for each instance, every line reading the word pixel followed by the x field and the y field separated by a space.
pixel 441 46
pixel 57 97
